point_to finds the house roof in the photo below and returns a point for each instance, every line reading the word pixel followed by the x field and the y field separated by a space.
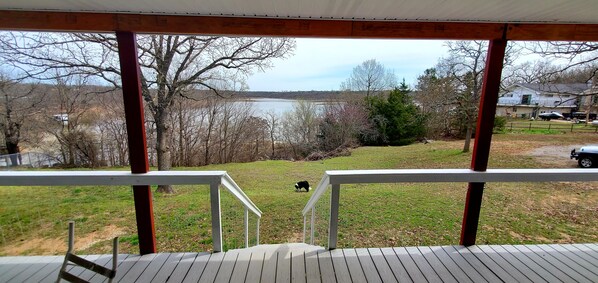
pixel 575 88
pixel 495 11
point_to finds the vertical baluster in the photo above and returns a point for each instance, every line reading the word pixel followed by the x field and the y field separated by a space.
pixel 257 238
pixel 246 228
pixel 216 221
pixel 313 218
pixel 333 225
pixel 304 226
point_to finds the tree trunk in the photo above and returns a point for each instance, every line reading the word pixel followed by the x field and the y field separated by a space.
pixel 468 136
pixel 13 151
pixel 163 151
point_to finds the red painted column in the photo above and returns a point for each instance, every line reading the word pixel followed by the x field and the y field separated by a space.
pixel 131 86
pixel 483 138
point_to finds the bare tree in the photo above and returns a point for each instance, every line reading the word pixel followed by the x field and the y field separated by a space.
pixel 19 103
pixel 343 124
pixel 432 93
pixel 273 123
pixel 301 128
pixel 370 77
pixel 575 54
pixel 171 66
pixel 112 129
pixel 69 120
pixel 466 63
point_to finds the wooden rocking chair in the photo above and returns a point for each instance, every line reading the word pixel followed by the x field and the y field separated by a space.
pixel 71 259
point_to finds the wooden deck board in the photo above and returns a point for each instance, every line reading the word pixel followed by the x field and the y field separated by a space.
pixel 495 263
pixel 254 271
pixel 283 267
pixel 384 270
pixel 395 265
pixel 214 261
pixel 562 265
pixel 136 270
pixel 240 270
pixel 412 268
pixel 446 260
pixel 226 268
pixel 587 257
pixel 479 266
pixel 197 268
pixel 298 274
pixel 326 267
pixel 367 265
pixel 340 266
pixel 509 266
pixel 576 258
pixel 497 269
pixel 312 267
pixel 586 273
pixel 153 268
pixel 458 259
pixel 269 268
pixel 170 265
pixel 587 250
pixel 354 266
pixel 547 263
pixel 54 264
pixel 437 265
pixel 525 260
pixel 423 265
pixel 19 265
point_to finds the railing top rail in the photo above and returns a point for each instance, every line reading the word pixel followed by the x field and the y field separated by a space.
pixel 109 178
pixel 232 187
pixel 461 175
pixel 448 175
pixel 115 178
pixel 320 189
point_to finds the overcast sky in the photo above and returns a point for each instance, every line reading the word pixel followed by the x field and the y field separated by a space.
pixel 322 64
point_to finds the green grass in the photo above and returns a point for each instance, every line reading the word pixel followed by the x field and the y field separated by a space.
pixel 33 219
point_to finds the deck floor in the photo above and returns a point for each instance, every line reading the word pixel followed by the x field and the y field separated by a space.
pixel 304 263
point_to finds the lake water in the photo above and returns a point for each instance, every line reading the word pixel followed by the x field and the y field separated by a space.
pixel 278 106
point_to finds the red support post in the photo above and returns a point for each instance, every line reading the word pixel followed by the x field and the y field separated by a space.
pixel 133 100
pixel 483 138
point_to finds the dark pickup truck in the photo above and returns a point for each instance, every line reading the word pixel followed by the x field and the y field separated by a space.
pixel 587 156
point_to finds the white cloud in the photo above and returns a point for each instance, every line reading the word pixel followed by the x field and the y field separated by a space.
pixel 322 64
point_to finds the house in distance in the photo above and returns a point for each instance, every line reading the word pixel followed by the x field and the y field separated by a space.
pixel 529 100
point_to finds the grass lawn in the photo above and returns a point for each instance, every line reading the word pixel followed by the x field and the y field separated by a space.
pixel 33 219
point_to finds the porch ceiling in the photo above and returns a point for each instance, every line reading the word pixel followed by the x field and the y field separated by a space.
pixel 491 11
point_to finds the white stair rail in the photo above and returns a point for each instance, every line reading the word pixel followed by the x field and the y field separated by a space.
pixel 336 178
pixel 114 178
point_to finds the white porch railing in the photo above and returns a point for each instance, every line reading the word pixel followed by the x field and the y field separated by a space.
pixel 337 178
pixel 113 178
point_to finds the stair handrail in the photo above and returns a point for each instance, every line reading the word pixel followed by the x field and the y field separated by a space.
pixel 115 178
pixel 336 178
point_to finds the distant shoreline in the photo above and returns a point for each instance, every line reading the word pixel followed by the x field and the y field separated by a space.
pixel 298 95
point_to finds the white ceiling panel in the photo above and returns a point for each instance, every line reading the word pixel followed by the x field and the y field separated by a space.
pixel 504 11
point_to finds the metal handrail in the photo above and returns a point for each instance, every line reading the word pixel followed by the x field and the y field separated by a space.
pixel 112 178
pixel 339 177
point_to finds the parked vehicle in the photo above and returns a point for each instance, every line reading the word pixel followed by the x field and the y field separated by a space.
pixel 586 157
pixel 551 115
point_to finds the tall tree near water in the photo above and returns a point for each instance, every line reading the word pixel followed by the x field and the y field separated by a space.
pixel 370 77
pixel 171 66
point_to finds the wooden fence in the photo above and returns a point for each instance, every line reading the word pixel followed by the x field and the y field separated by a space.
pixel 580 128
